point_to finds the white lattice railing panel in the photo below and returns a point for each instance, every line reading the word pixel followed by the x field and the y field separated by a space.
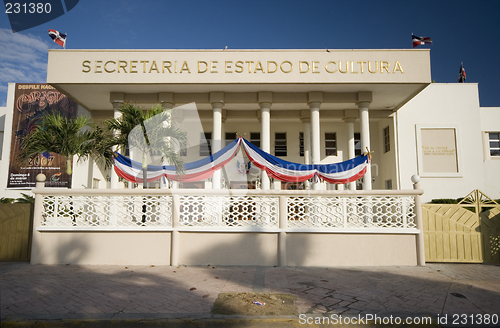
pixel 107 211
pixel 351 212
pixel 315 212
pixel 143 211
pixel 200 211
pixel 251 211
pixel 228 211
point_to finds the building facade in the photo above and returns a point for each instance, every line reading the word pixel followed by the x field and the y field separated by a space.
pixel 303 106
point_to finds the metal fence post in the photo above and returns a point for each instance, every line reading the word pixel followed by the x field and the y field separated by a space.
pixel 420 225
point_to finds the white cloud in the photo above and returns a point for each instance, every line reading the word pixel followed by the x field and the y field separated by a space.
pixel 23 59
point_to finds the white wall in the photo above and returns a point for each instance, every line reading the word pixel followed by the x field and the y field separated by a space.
pixel 443 105
pixel 490 122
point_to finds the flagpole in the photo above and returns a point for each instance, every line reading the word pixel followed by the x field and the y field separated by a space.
pixel 65 41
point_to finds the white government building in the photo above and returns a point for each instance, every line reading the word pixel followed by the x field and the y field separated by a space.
pixel 303 106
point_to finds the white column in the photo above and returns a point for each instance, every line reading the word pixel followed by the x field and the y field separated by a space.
pixel 163 181
pixel 114 183
pixel 307 144
pixel 265 138
pixel 365 140
pixel 315 136
pixel 351 151
pixel 216 139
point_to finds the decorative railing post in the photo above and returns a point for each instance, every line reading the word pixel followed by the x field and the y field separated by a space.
pixel 37 219
pixel 283 217
pixel 174 246
pixel 420 225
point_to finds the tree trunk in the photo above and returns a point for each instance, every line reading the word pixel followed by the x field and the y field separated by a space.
pixel 69 171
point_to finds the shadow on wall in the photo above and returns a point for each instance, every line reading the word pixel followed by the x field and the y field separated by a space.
pixel 243 249
pixel 70 250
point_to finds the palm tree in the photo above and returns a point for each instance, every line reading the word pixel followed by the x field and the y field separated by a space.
pixel 152 132
pixel 63 136
pixel 25 199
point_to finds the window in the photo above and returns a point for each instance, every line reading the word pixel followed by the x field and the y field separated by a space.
pixel 301 143
pixel 230 137
pixel 95 183
pixel 357 144
pixel 183 151
pixel 1 143
pixel 388 184
pixel 330 144
pixel 280 144
pixel 206 144
pixel 387 140
pixel 255 138
pixel 494 143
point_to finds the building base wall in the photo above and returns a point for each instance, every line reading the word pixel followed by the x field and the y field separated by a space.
pixel 306 249
pixel 100 248
pixel 218 248
pixel 228 248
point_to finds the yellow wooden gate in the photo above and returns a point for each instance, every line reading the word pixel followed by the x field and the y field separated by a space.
pixel 15 232
pixel 490 231
pixel 462 232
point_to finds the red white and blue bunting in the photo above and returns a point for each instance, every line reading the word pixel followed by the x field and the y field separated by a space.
pixel 275 167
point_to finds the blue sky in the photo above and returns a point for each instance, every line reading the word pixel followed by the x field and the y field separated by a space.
pixel 462 31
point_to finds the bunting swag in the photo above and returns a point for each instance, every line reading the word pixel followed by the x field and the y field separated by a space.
pixel 282 170
pixel 276 168
pixel 195 171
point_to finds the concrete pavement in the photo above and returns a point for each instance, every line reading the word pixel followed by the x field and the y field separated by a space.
pixel 130 296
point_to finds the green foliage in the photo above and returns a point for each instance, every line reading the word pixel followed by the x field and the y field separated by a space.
pixel 67 137
pixel 5 200
pixel 60 135
pixel 151 131
pixel 444 201
pixel 25 199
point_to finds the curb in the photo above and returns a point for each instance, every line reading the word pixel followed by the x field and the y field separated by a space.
pixel 188 323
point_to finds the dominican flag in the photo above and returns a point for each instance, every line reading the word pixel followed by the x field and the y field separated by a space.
pixel 59 38
pixel 461 74
pixel 419 40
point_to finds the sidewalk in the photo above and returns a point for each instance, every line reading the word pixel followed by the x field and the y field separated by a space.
pixel 130 296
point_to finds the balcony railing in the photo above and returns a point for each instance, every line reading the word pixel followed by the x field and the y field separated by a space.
pixel 382 211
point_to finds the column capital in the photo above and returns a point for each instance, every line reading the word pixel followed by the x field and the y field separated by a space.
pixel 305 116
pixel 265 97
pixel 167 105
pixel 216 97
pixel 218 105
pixel 364 98
pixel 265 105
pixel 166 97
pixel 116 99
pixel 116 104
pixel 315 96
pixel 351 113
pixel 314 104
pixel 349 119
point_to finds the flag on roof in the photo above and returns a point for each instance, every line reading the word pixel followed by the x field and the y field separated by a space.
pixel 59 38
pixel 419 40
pixel 461 74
